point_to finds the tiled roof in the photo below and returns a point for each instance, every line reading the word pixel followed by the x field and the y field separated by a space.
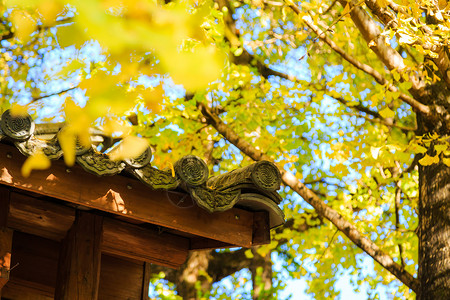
pixel 253 187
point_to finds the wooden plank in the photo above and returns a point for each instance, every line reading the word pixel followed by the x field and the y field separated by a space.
pixel 147 274
pixel 261 228
pixel 6 236
pixel 204 244
pixel 35 277
pixel 79 259
pixel 4 205
pixel 40 217
pixel 127 197
pixel 52 220
pixel 131 241
pixel 120 279
pixel 35 259
pixel 18 289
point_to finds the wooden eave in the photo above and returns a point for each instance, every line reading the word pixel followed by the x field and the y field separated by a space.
pixel 136 216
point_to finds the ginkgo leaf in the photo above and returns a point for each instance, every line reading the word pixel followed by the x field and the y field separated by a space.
pixel 440 148
pixel 382 3
pixel 406 38
pixel 419 149
pixel 387 113
pixel 446 161
pixel 429 160
pixel 248 253
pixel 346 10
pixel 375 151
pixel 37 161
pixel 49 10
pixel 24 25
pixel 130 147
pixel 18 110
pixel 67 141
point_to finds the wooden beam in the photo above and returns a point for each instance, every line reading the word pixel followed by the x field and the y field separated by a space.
pixel 120 279
pixel 40 217
pixel 4 205
pixel 147 274
pixel 52 221
pixel 79 259
pixel 148 245
pixel 261 228
pixel 35 277
pixel 6 236
pixel 36 261
pixel 204 244
pixel 127 197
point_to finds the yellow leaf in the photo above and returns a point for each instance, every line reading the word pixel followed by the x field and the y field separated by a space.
pixel 172 169
pixel 440 148
pixel 372 43
pixel 49 10
pixel 37 161
pixel 193 69
pixel 419 149
pixel 116 126
pixel 24 25
pixel 375 151
pixel 153 98
pixel 130 147
pixel 387 113
pixel 71 66
pixel 382 3
pixel 18 110
pixel 70 35
pixel 346 10
pixel 248 253
pixel 374 100
pixel 446 161
pixel 406 38
pixel 429 160
pixel 67 141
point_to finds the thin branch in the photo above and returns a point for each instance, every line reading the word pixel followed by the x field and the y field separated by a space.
pixel 321 208
pixel 360 108
pixel 372 34
pixel 54 94
pixel 398 195
pixel 245 58
pixel 387 17
pixel 418 107
pixel 329 244
pixel 384 122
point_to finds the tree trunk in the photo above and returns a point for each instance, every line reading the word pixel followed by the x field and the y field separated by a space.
pixel 434 216
pixel 194 272
pixel 261 269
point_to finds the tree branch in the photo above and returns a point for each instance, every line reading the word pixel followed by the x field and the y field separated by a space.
pixel 321 208
pixel 371 33
pixel 416 105
pixel 245 58
pixel 54 94
pixel 389 19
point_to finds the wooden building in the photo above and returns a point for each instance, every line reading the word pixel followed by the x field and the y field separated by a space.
pixel 93 230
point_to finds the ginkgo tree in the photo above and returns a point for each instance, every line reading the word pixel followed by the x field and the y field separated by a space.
pixel 349 98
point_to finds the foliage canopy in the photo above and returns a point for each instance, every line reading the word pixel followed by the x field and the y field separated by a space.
pixel 349 98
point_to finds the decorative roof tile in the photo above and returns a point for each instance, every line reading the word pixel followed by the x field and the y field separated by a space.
pixel 253 187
